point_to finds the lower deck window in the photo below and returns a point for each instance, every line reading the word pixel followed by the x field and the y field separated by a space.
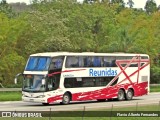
pixel 86 82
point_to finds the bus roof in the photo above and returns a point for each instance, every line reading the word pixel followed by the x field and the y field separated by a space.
pixel 52 54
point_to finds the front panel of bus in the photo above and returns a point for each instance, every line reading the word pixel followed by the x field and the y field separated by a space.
pixel 41 78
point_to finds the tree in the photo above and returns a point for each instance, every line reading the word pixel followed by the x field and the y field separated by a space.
pixel 90 25
pixel 123 43
pixel 91 1
pixel 120 2
pixel 10 61
pixel 5 8
pixel 19 7
pixel 3 2
pixel 159 8
pixel 47 30
pixel 130 3
pixel 150 6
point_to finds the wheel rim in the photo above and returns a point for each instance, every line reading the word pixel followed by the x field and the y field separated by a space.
pixel 66 99
pixel 129 94
pixel 120 95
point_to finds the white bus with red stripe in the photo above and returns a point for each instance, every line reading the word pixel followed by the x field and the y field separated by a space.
pixel 64 77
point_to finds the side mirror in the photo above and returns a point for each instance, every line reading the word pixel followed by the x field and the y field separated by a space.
pixel 15 79
pixel 43 81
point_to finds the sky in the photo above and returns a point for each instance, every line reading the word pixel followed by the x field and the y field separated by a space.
pixel 137 3
pixel 141 3
pixel 13 1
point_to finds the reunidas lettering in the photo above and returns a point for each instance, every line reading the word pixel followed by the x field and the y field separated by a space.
pixel 106 72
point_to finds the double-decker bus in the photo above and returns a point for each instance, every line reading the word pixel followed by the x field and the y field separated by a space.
pixel 64 77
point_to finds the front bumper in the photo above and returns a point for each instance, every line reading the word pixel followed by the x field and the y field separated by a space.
pixel 38 100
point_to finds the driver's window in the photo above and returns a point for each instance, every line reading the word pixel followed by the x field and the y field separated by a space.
pixel 53 82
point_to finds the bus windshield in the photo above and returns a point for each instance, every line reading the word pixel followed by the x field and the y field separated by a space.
pixel 38 64
pixel 33 83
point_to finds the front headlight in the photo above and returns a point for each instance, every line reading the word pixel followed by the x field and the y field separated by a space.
pixel 41 96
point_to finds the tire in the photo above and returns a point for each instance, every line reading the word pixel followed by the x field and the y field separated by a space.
pixel 101 100
pixel 121 95
pixel 129 95
pixel 66 99
pixel 45 104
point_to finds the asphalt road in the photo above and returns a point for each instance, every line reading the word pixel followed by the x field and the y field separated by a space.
pixel 152 98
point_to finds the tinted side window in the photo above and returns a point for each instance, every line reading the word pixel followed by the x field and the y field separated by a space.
pixel 97 61
pixel 72 61
pixel 84 61
pixel 127 58
pixel 87 61
pixel 122 58
pixel 144 57
pixel 103 81
pixel 72 82
pixel 115 82
pixel 133 64
pixel 110 61
pixel 53 82
pixel 87 82
pixel 56 63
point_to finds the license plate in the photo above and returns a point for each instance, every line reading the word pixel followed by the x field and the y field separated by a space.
pixel 31 99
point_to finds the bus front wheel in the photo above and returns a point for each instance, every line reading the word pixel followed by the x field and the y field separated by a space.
pixel 66 99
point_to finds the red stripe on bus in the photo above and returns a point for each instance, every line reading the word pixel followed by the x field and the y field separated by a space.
pixel 64 71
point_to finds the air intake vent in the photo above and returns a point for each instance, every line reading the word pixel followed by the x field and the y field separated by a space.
pixel 144 78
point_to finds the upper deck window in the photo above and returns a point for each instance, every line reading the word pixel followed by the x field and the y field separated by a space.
pixel 56 63
pixel 110 61
pixel 83 61
pixel 38 63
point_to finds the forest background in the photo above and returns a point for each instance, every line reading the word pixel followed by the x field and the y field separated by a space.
pixel 66 25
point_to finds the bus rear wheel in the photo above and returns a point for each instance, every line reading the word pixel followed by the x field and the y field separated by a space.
pixel 121 95
pixel 66 99
pixel 129 94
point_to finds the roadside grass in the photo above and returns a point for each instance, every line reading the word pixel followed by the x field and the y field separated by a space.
pixel 10 95
pixel 141 109
pixel 16 95
pixel 155 88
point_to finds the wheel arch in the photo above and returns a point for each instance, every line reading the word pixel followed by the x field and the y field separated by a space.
pixel 122 89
